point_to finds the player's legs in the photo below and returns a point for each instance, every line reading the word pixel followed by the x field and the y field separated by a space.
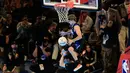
pixel 73 53
pixel 75 56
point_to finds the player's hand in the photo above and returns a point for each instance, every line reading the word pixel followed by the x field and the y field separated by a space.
pixel 70 41
pixel 83 52
pixel 63 52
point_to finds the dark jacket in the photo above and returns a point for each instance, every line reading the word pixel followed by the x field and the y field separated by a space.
pixel 123 13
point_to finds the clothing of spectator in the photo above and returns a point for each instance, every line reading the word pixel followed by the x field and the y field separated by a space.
pixel 89 59
pixel 23 30
pixel 110 43
pixel 3 39
pixel 86 27
pixel 15 57
pixel 37 29
pixel 129 24
pixel 123 36
pixel 10 28
pixel 43 52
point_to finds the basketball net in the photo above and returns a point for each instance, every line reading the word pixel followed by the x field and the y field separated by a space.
pixel 62 10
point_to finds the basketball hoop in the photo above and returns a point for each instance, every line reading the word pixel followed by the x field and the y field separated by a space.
pixel 63 9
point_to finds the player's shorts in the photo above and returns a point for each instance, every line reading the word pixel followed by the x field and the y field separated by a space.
pixel 76 47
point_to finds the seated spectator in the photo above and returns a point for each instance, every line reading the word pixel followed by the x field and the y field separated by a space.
pixel 86 23
pixel 89 59
pixel 14 59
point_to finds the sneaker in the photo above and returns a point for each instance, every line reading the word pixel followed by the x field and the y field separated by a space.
pixel 78 67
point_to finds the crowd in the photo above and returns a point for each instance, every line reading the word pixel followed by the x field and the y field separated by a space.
pixel 94 42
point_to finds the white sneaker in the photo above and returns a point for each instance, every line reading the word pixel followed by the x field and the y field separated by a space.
pixel 78 67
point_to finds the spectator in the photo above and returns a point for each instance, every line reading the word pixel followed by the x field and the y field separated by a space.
pixel 86 25
pixel 36 34
pixel 2 36
pixel 51 31
pixel 110 42
pixel 89 59
pixel 14 59
pixel 52 34
pixel 3 50
pixel 10 28
pixel 101 20
pixel 123 36
pixel 43 52
pixel 37 29
pixel 23 29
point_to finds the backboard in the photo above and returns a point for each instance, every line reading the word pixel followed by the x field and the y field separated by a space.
pixel 80 4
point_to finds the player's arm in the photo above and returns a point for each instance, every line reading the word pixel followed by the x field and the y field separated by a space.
pixel 78 32
pixel 61 62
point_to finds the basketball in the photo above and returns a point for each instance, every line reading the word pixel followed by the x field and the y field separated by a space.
pixel 62 41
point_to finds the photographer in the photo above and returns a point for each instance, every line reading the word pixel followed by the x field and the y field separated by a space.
pixel 43 53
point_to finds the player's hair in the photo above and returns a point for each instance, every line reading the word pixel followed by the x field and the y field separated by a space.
pixel 72 17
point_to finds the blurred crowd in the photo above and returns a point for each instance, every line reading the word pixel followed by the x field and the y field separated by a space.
pixel 28 35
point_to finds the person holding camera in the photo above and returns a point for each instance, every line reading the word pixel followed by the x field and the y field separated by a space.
pixel 43 54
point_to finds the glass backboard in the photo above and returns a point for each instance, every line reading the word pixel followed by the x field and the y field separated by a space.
pixel 81 4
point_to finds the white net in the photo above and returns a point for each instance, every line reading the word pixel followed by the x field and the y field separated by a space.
pixel 62 13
